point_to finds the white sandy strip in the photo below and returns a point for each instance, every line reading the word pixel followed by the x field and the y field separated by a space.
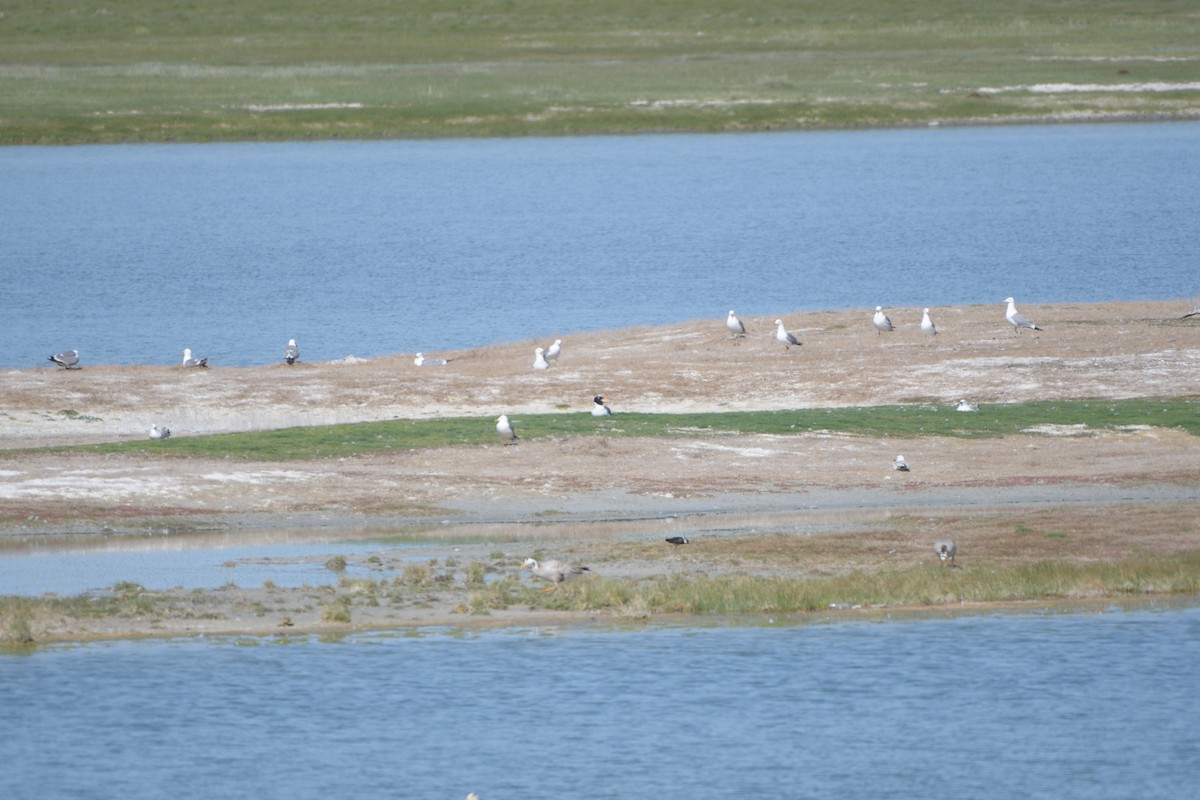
pixel 1063 88
pixel 302 106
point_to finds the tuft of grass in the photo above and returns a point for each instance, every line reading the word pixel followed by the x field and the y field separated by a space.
pixel 347 440
pixel 337 610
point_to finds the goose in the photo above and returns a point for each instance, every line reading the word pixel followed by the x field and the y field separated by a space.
pixel 157 432
pixel 927 326
pixel 554 571
pixel 900 465
pixel 188 361
pixel 735 325
pixel 539 359
pixel 881 321
pixel 67 360
pixel 292 352
pixel 505 429
pixel 783 337
pixel 1017 319
pixel 598 407
pixel 945 549
pixel 553 350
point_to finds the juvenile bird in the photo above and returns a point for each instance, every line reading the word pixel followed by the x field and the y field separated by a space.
pixel 554 571
pixel 945 549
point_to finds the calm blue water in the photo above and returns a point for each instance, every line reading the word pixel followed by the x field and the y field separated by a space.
pixel 1079 706
pixel 131 253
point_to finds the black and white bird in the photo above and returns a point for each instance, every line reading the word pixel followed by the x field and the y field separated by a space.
pixel 783 337
pixel 927 326
pixel 539 359
pixel 160 432
pixel 67 360
pixel 188 361
pixel 422 361
pixel 735 325
pixel 1191 313
pixel 881 321
pixel 554 571
pixel 900 465
pixel 963 405
pixel 676 541
pixel 945 549
pixel 553 350
pixel 1018 319
pixel 291 353
pixel 598 407
pixel 505 429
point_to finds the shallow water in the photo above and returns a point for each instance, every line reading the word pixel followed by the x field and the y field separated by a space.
pixel 1073 706
pixel 131 253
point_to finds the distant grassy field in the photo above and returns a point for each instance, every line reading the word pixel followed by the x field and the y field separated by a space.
pixel 75 71
pixel 340 441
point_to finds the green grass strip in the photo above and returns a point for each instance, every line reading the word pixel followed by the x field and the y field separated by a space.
pixel 341 441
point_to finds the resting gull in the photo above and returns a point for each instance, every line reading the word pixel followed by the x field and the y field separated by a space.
pixel 188 361
pixel 422 361
pixel 900 465
pixel 554 571
pixel 553 350
pixel 539 359
pixel 927 326
pixel 945 549
pixel 882 323
pixel 505 429
pixel 783 337
pixel 291 353
pixel 598 407
pixel 1017 319
pixel 735 325
pixel 67 360
pixel 160 432
pixel 963 405
pixel 1191 313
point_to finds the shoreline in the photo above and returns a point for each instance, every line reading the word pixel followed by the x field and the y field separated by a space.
pixel 813 506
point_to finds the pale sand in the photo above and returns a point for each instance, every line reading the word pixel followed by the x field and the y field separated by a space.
pixel 598 486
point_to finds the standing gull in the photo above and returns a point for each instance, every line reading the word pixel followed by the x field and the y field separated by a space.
pixel 292 352
pixel 554 571
pixel 553 350
pixel 160 432
pixel 539 359
pixel 881 321
pixel 598 407
pixel 735 325
pixel 188 361
pixel 945 549
pixel 67 360
pixel 783 337
pixel 505 429
pixel 900 465
pixel 927 326
pixel 1017 319
pixel 963 405
pixel 422 361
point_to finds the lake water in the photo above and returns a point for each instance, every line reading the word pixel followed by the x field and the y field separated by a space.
pixel 131 253
pixel 1089 706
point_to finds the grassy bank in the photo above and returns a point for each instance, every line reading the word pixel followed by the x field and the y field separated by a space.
pixel 340 441
pixel 26 622
pixel 137 70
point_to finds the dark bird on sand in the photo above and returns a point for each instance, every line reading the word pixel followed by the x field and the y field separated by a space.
pixel 675 541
